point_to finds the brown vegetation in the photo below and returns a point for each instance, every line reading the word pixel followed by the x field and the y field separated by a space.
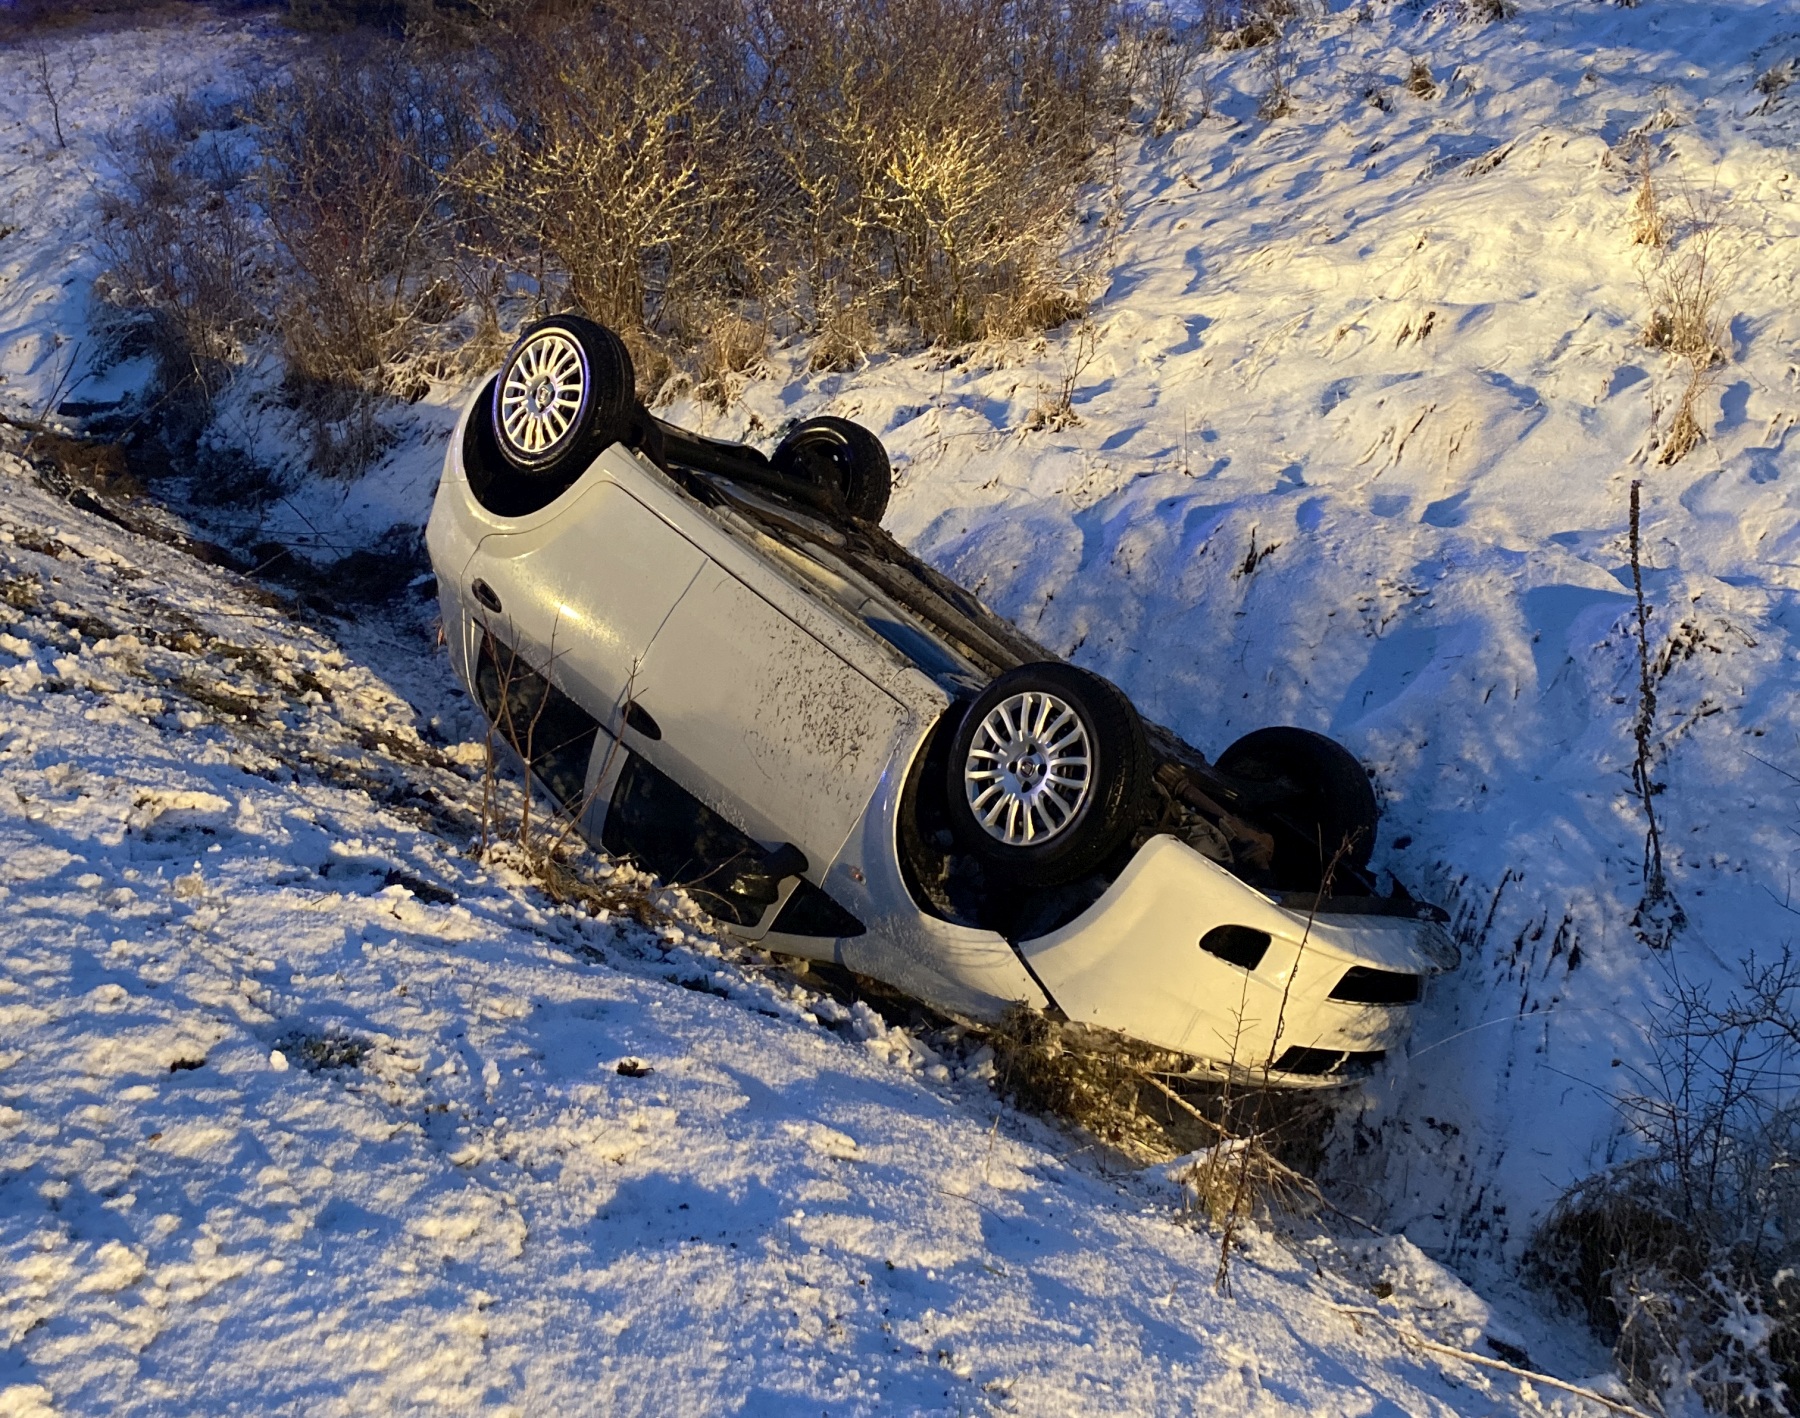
pixel 701 177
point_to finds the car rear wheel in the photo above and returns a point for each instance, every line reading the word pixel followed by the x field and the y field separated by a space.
pixel 566 392
pixel 1049 773
pixel 1318 786
pixel 840 455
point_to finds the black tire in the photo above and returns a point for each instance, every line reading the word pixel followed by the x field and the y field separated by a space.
pixel 1317 785
pixel 1083 828
pixel 843 456
pixel 566 392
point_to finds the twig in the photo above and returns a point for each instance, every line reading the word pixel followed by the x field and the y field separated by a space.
pixel 1298 1180
pixel 1412 1336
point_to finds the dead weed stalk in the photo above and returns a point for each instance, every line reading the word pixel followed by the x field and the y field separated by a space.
pixel 1685 274
pixel 1658 915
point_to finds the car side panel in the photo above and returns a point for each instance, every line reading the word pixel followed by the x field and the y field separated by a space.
pixel 964 971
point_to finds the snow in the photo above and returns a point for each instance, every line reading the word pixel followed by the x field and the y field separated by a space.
pixel 1366 395
pixel 282 1136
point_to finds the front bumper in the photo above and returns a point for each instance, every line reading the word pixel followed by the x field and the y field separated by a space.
pixel 1288 997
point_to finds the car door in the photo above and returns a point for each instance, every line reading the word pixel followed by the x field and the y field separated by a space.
pixel 581 597
pixel 762 721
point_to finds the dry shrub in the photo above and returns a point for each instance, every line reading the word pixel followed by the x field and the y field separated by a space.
pixel 1157 50
pixel 912 162
pixel 356 151
pixel 1686 1259
pixel 1084 1077
pixel 732 347
pixel 844 337
pixel 319 216
pixel 935 185
pixel 1419 82
pixel 1649 225
pixel 1276 61
pixel 1686 287
pixel 1250 24
pixel 608 163
pixel 179 248
pixel 880 170
pixel 1057 410
pixel 1252 1146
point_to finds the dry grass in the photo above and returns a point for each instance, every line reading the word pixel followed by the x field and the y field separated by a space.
pixel 1057 409
pixel 1649 222
pixel 1250 1145
pixel 1685 275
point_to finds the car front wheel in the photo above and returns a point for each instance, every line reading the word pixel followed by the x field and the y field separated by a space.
pixel 1049 773
pixel 1321 792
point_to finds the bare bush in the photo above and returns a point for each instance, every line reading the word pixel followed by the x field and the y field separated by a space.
pixel 1250 24
pixel 936 187
pixel 50 86
pixel 1057 411
pixel 608 163
pixel 1686 1259
pixel 1687 293
pixel 180 248
pixel 1157 51
pixel 356 151
pixel 699 176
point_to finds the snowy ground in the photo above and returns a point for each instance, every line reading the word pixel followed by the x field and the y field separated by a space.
pixel 1391 344
pixel 303 1111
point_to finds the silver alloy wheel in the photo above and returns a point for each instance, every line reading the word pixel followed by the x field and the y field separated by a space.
pixel 546 384
pixel 1029 769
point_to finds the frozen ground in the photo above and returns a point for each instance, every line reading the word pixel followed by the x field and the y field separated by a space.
pixel 302 1111
pixel 1388 342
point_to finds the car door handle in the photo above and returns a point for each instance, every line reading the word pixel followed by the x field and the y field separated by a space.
pixel 637 717
pixel 485 594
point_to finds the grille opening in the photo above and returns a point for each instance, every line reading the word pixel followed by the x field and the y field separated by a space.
pixel 1240 945
pixel 810 911
pixel 1316 1063
pixel 1362 985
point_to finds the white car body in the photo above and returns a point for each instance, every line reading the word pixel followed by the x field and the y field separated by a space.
pixel 772 685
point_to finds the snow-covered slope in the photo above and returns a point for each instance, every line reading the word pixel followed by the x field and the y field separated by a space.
pixel 302 1111
pixel 1366 393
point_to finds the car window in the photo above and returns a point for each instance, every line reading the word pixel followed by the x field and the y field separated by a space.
pixel 918 647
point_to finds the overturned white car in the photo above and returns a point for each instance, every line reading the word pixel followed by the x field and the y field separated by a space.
pixel 719 662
